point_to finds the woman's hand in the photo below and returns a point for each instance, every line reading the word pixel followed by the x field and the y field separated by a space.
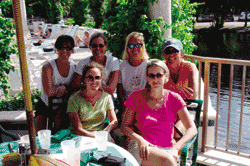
pixel 143 148
pixel 60 90
pixel 173 152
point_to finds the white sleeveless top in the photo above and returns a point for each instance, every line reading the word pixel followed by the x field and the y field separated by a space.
pixel 58 79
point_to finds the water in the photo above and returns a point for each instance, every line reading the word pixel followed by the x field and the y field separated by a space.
pixel 235 107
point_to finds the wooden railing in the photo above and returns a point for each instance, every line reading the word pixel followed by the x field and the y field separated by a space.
pixel 204 67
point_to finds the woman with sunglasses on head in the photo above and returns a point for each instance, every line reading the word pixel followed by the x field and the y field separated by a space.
pixel 132 75
pixel 89 107
pixel 98 45
pixel 150 116
pixel 57 75
pixel 183 74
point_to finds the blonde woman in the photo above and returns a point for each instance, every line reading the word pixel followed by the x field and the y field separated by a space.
pixel 149 120
pixel 132 75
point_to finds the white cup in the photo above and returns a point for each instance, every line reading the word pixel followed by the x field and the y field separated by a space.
pixel 101 139
pixel 44 138
pixel 71 153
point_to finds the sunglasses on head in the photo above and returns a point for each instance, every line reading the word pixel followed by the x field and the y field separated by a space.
pixel 167 51
pixel 66 48
pixel 152 76
pixel 97 45
pixel 131 46
pixel 91 78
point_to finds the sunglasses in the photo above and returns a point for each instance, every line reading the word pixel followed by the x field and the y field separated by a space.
pixel 97 45
pixel 131 46
pixel 171 52
pixel 91 78
pixel 152 76
pixel 66 48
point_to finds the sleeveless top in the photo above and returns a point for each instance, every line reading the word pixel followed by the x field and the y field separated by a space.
pixel 58 79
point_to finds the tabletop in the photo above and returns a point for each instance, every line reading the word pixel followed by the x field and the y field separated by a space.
pixel 88 147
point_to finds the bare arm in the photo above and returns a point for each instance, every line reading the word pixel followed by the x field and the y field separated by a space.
pixel 112 120
pixel 112 82
pixel 190 132
pixel 77 125
pixel 193 81
pixel 77 82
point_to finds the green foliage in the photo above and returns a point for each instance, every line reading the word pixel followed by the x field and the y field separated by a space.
pixel 17 102
pixel 97 10
pixel 79 11
pixel 126 16
pixel 183 23
pixel 6 6
pixel 70 21
pixel 89 22
pixel 7 47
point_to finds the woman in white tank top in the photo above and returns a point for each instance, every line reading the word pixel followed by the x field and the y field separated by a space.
pixel 57 75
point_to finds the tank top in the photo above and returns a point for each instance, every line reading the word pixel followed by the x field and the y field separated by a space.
pixel 58 79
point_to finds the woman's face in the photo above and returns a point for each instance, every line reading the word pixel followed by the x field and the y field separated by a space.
pixel 98 47
pixel 172 56
pixel 93 79
pixel 65 51
pixel 156 77
pixel 134 48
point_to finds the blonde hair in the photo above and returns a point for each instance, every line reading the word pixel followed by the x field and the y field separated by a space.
pixel 159 63
pixel 139 36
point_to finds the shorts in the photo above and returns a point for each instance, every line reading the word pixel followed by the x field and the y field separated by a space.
pixel 44 110
pixel 134 150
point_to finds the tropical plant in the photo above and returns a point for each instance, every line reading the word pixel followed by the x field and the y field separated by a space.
pixel 17 102
pixel 97 10
pixel 128 16
pixel 183 23
pixel 7 48
pixel 79 11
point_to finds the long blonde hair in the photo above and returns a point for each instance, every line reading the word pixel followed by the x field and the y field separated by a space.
pixel 139 36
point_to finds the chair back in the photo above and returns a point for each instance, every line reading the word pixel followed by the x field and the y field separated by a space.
pixel 73 32
pixel 55 28
pixel 194 107
pixel 4 132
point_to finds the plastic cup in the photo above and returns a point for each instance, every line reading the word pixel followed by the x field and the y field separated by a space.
pixel 44 138
pixel 71 153
pixel 101 139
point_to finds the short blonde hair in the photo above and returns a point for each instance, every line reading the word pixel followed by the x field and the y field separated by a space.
pixel 139 36
pixel 159 63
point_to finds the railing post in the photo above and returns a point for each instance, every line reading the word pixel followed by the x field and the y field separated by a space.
pixel 205 106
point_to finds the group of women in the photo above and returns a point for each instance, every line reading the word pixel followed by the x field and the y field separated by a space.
pixel 151 94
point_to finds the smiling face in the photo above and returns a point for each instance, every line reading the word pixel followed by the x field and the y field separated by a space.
pixel 93 79
pixel 98 47
pixel 156 77
pixel 172 56
pixel 134 52
pixel 65 51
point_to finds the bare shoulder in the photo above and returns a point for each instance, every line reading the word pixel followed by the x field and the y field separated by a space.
pixel 188 66
pixel 47 68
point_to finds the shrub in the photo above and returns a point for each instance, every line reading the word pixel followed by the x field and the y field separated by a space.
pixel 7 47
pixel 127 16
pixel 17 102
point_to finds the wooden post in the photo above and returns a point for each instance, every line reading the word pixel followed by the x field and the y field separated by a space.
pixel 25 74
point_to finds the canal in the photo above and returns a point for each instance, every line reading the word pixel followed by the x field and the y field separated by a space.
pixel 233 45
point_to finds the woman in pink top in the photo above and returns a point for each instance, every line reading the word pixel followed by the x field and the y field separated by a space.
pixel 149 119
pixel 183 74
